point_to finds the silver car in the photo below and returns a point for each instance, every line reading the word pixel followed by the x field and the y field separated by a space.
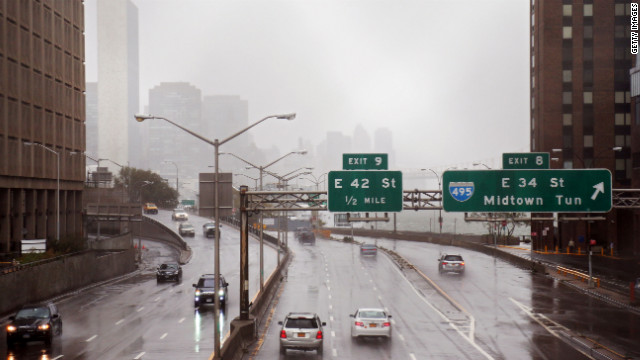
pixel 451 263
pixel 301 331
pixel 371 322
pixel 179 215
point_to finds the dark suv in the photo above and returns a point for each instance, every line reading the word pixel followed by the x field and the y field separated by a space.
pixel 307 237
pixel 205 291
pixel 38 322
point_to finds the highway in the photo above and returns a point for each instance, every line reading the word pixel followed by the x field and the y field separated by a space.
pixel 493 311
pixel 135 318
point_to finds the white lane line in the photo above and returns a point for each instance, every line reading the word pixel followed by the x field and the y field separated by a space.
pixel 393 322
pixel 401 337
pixel 329 296
pixel 140 309
pixel 328 288
pixel 164 336
pixel 375 288
pixel 330 307
pixel 119 321
pixel 331 318
pixel 335 353
pixel 181 320
pixel 333 334
pixel 379 297
pixel 470 340
pixel 139 356
pixel 58 357
pixel 370 280
pixel 413 357
pixel 91 338
pixel 156 299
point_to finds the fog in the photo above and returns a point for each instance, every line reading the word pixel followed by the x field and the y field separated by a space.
pixel 450 79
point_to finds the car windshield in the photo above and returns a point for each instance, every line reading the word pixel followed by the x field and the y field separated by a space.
pixel 372 314
pixel 186 226
pixel 453 258
pixel 209 282
pixel 302 323
pixel 168 267
pixel 31 313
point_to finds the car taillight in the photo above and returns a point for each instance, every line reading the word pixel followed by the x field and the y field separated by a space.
pixel 283 334
pixel 359 323
pixel 387 324
pixel 444 263
pixel 462 263
pixel 319 334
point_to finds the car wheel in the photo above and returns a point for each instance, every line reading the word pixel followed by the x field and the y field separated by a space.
pixel 283 350
pixel 196 304
pixel 319 350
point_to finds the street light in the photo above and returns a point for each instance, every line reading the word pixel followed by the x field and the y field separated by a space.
pixel 244 315
pixel 177 174
pixel 252 178
pixel 439 188
pixel 27 143
pixel 479 163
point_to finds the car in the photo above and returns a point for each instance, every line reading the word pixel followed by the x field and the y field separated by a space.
pixel 451 263
pixel 370 322
pixel 301 331
pixel 205 291
pixel 169 271
pixel 186 229
pixel 179 215
pixel 307 237
pixel 38 322
pixel 209 229
pixel 368 249
pixel 150 208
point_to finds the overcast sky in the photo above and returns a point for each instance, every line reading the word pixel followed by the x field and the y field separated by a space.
pixel 449 78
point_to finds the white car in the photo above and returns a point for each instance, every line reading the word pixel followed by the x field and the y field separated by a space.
pixel 179 215
pixel 371 322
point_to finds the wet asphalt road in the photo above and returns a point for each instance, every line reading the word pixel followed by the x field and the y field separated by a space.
pixel 499 303
pixel 135 318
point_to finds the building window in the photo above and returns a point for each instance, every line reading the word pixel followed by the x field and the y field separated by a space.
pixel 566 32
pixel 533 60
pixel 619 9
pixel 533 103
pixel 533 82
pixel 566 10
pixel 566 97
pixel 620 164
pixel 566 75
pixel 619 97
pixel 588 141
pixel 533 21
pixel 568 164
pixel 588 32
pixel 587 54
pixel 619 32
pixel 588 10
pixel 619 119
pixel 627 97
pixel 588 97
pixel 587 77
pixel 567 119
pixel 619 140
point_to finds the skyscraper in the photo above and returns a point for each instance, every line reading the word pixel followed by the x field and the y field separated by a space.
pixel 118 82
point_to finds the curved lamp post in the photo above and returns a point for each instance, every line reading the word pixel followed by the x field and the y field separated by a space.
pixel 27 143
pixel 216 144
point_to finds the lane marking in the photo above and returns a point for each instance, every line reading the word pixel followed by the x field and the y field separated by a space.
pixel 119 321
pixel 393 321
pixel 139 356
pixel 413 357
pixel 331 318
pixel 469 339
pixel 181 320
pixel 91 338
pixel 401 337
pixel 140 309
pixel 328 288
pixel 329 296
pixel 335 353
pixel 58 357
pixel 333 334
pixel 156 299
pixel 330 307
pixel 164 336
pixel 379 297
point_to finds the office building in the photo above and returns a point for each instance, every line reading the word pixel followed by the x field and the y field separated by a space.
pixel 42 121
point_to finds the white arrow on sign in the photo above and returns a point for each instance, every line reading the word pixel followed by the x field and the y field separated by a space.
pixel 599 189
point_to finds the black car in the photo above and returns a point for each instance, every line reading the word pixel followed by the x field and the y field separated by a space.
pixel 186 229
pixel 205 291
pixel 209 229
pixel 307 237
pixel 169 272
pixel 38 322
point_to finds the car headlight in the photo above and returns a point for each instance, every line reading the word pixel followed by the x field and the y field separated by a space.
pixel 197 292
pixel 43 327
pixel 11 328
pixel 221 292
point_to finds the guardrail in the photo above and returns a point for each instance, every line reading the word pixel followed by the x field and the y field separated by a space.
pixel 577 275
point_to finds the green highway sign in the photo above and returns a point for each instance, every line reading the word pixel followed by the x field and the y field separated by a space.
pixel 566 190
pixel 365 161
pixel 365 191
pixel 534 160
pixel 188 202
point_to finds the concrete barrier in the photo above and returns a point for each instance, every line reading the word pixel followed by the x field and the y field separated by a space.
pixel 45 280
